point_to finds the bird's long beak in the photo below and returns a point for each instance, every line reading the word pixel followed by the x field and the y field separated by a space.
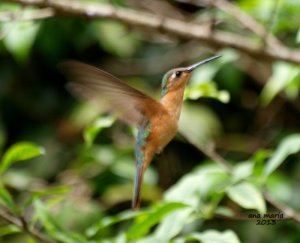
pixel 192 67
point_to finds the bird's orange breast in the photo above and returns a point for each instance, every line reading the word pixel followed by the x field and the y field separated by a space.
pixel 164 128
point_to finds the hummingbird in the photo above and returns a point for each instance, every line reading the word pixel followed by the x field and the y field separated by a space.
pixel 157 121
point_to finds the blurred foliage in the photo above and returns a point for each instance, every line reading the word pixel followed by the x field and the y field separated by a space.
pixel 75 180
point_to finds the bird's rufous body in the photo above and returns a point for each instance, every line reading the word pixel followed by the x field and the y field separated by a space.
pixel 157 121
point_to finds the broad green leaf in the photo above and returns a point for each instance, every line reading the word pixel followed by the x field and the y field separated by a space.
pixel 207 89
pixel 111 220
pixel 242 170
pixel 141 228
pixel 6 199
pixel 18 179
pixel 53 227
pixel 19 38
pixel 225 211
pixel 212 236
pixel 203 182
pixel 198 123
pixel 247 196
pixel 283 75
pixel 171 225
pixel 8 230
pixel 194 189
pixel 97 126
pixel 19 151
pixel 289 145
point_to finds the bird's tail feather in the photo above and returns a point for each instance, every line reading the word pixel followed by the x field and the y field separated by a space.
pixel 136 198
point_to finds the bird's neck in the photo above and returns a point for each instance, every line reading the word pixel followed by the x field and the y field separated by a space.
pixel 172 101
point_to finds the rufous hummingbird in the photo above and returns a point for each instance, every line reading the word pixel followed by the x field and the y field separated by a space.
pixel 157 121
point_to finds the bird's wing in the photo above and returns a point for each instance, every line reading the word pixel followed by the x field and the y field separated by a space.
pixel 130 104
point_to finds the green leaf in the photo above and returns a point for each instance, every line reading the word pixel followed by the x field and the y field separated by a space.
pixel 289 145
pixel 247 196
pixel 55 195
pixel 172 225
pixel 53 191
pixel 95 128
pixel 201 84
pixel 242 170
pixel 198 123
pixel 213 236
pixel 53 228
pixel 19 38
pixel 280 187
pixel 111 220
pixel 259 160
pixel 207 89
pixel 195 189
pixel 8 230
pixel 202 183
pixel 225 211
pixel 19 151
pixel 142 228
pixel 6 199
pixel 284 75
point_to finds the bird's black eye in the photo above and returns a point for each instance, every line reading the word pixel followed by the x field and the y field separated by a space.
pixel 177 74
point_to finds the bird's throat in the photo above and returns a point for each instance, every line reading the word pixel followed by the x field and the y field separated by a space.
pixel 172 101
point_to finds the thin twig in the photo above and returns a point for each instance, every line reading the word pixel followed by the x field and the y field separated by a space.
pixel 23 225
pixel 211 153
pixel 167 25
pixel 243 18
pixel 286 210
pixel 247 21
pixel 26 16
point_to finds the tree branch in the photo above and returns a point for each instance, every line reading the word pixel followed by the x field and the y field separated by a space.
pixel 23 16
pixel 217 39
pixel 243 18
pixel 211 153
pixel 287 211
pixel 23 225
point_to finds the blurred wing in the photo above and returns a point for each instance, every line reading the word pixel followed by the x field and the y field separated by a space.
pixel 89 82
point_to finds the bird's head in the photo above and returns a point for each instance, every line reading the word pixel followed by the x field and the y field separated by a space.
pixel 178 77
